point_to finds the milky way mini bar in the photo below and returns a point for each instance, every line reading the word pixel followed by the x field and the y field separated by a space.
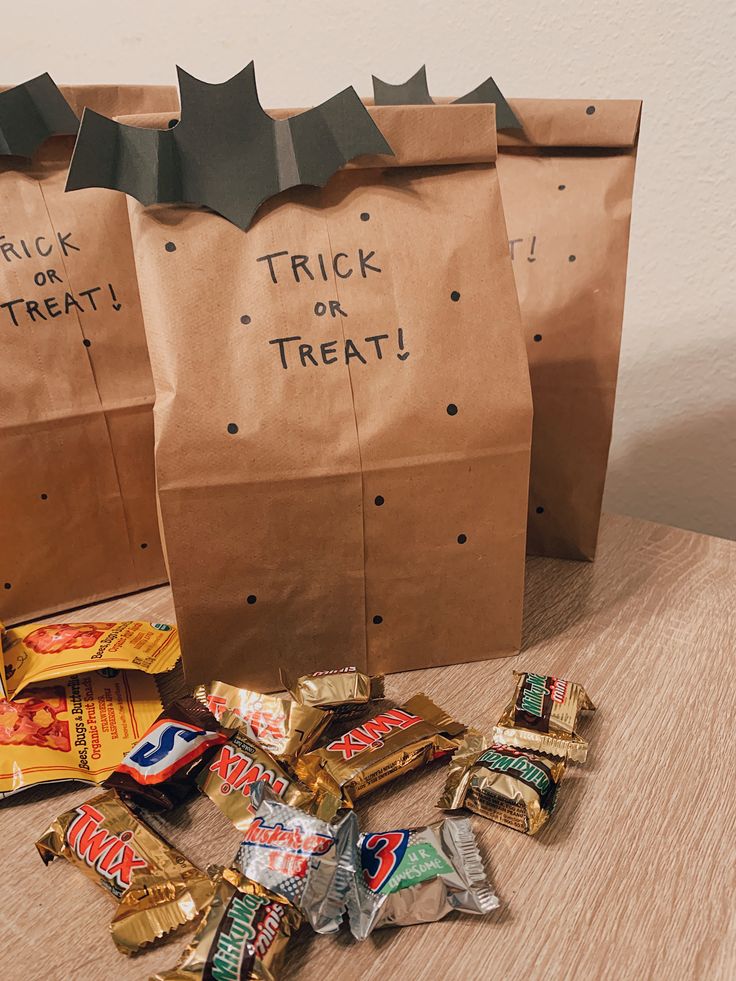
pixel 510 786
pixel 544 715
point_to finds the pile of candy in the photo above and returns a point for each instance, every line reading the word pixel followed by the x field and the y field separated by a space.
pixel 289 787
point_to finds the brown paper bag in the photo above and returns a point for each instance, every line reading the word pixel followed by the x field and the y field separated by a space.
pixel 567 187
pixel 77 495
pixel 567 175
pixel 343 413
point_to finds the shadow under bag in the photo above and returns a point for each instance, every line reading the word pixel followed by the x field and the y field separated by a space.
pixel 343 411
pixel 78 519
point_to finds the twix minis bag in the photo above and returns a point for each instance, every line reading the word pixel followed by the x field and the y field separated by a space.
pixel 515 788
pixel 369 755
pixel 283 727
pixel 44 651
pixel 543 716
pixel 342 689
pixel 74 728
pixel 160 770
pixel 240 763
pixel 158 889
pixel 242 936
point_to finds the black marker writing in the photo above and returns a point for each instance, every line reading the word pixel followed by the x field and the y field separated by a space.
pixel 305 268
pixel 292 353
pixel 33 248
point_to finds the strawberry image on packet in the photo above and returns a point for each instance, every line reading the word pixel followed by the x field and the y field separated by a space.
pixel 74 728
pixel 45 651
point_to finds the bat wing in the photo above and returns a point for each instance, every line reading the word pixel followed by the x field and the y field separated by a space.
pixel 327 137
pixel 32 112
pixel 488 92
pixel 226 153
pixel 139 162
pixel 413 92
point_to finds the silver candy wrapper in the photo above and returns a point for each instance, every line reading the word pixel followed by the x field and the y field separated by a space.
pixel 299 857
pixel 417 875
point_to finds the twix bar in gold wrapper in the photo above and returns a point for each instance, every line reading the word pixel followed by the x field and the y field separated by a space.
pixel 515 788
pixel 283 727
pixel 240 763
pixel 395 741
pixel 341 689
pixel 543 716
pixel 242 936
pixel 44 651
pixel 157 888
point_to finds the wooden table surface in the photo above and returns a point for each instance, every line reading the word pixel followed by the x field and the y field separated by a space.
pixel 632 878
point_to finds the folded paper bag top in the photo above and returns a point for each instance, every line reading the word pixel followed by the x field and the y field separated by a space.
pixel 76 428
pixel 567 172
pixel 343 412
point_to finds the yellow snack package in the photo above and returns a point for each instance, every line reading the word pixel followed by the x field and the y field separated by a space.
pixel 76 728
pixel 44 651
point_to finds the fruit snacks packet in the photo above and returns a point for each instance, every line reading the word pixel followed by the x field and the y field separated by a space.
pixel 300 858
pixel 237 766
pixel 157 888
pixel 543 716
pixel 515 788
pixel 417 875
pixel 75 728
pixel 392 743
pixel 283 727
pixel 160 770
pixel 342 689
pixel 44 651
pixel 242 936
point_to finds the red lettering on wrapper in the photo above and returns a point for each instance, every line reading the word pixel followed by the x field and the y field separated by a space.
pixel 370 734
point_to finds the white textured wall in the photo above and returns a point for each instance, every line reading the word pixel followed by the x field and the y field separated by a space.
pixel 674 453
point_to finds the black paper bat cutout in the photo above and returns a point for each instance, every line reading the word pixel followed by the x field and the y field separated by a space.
pixel 226 152
pixel 32 112
pixel 415 91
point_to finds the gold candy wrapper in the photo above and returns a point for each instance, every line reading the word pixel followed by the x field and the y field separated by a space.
pixel 242 936
pixel 543 716
pixel 240 763
pixel 280 725
pixel 515 788
pixel 157 888
pixel 395 741
pixel 342 689
pixel 44 651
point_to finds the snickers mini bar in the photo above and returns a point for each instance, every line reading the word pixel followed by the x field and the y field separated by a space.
pixel 237 765
pixel 392 743
pixel 342 689
pixel 157 888
pixel 283 727
pixel 303 860
pixel 510 786
pixel 417 875
pixel 242 936
pixel 544 715
pixel 160 770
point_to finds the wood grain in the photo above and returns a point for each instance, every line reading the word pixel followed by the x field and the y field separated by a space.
pixel 633 877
